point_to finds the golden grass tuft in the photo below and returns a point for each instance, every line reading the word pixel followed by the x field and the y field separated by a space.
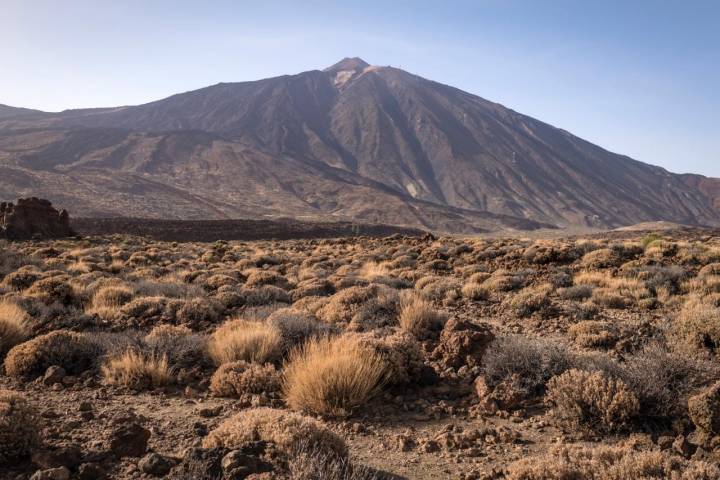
pixel 247 340
pixel 136 370
pixel 418 316
pixel 332 376
pixel 14 327
pixel 18 427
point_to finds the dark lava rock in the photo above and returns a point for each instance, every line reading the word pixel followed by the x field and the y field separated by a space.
pixel 33 218
pixel 129 440
pixel 154 464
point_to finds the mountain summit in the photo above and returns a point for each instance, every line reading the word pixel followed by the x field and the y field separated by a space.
pixel 372 144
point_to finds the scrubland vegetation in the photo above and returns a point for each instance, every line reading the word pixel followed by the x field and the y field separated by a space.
pixel 351 358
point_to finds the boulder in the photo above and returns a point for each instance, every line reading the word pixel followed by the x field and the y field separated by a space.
pixel 462 343
pixel 704 409
pixel 33 218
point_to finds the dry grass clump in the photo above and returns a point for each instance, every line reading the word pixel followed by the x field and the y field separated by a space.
pixel 296 326
pixel 332 376
pixel 439 288
pixel 288 431
pixel 401 353
pixel 199 311
pixel 531 299
pixel 698 327
pixel 475 291
pixel 264 295
pixel 137 371
pixel 22 278
pixel 236 379
pixel 181 346
pixel 576 292
pixel 18 427
pixel 52 290
pixel 609 463
pixel 593 400
pixel 260 278
pixel 362 308
pixel 505 281
pixel 310 463
pixel 246 340
pixel 14 327
pixel 75 352
pixel 112 296
pixel 419 317
pixel 594 334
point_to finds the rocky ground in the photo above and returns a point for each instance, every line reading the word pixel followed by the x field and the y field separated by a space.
pixel 361 358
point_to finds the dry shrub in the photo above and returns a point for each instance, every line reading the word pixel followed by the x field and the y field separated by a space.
pixel 577 292
pixel 137 370
pixel 419 317
pixel 504 281
pixel 264 295
pixel 310 463
pixel 698 326
pixel 182 347
pixel 362 308
pixel 532 362
pixel 609 463
pixel 14 327
pixel 594 334
pixel 332 376
pixel 245 340
pixel 439 288
pixel 260 278
pixel 22 278
pixel 296 326
pixel 475 291
pixel 18 427
pixel 593 400
pixel 663 380
pixel 236 379
pixel 401 353
pixel 197 311
pixel 531 299
pixel 52 290
pixel 75 352
pixel 288 431
pixel 610 298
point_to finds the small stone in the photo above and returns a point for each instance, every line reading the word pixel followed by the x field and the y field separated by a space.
pixel 53 375
pixel 91 471
pixel 85 406
pixel 208 412
pixel 239 465
pixel 129 440
pixel 154 464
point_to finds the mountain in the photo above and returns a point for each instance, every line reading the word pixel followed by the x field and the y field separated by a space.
pixel 354 141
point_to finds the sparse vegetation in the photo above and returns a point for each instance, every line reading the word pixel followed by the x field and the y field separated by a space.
pixel 597 341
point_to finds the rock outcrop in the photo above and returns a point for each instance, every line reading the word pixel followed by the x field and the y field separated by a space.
pixel 33 218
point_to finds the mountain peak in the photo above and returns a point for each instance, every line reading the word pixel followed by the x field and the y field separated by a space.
pixel 352 64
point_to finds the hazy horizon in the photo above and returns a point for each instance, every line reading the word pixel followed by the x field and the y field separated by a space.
pixel 636 79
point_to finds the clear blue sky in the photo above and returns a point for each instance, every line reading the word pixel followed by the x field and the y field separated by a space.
pixel 636 77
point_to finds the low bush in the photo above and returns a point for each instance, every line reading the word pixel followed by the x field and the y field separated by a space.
pixel 236 379
pixel 19 427
pixel 287 431
pixel 75 352
pixel 592 400
pixel 609 463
